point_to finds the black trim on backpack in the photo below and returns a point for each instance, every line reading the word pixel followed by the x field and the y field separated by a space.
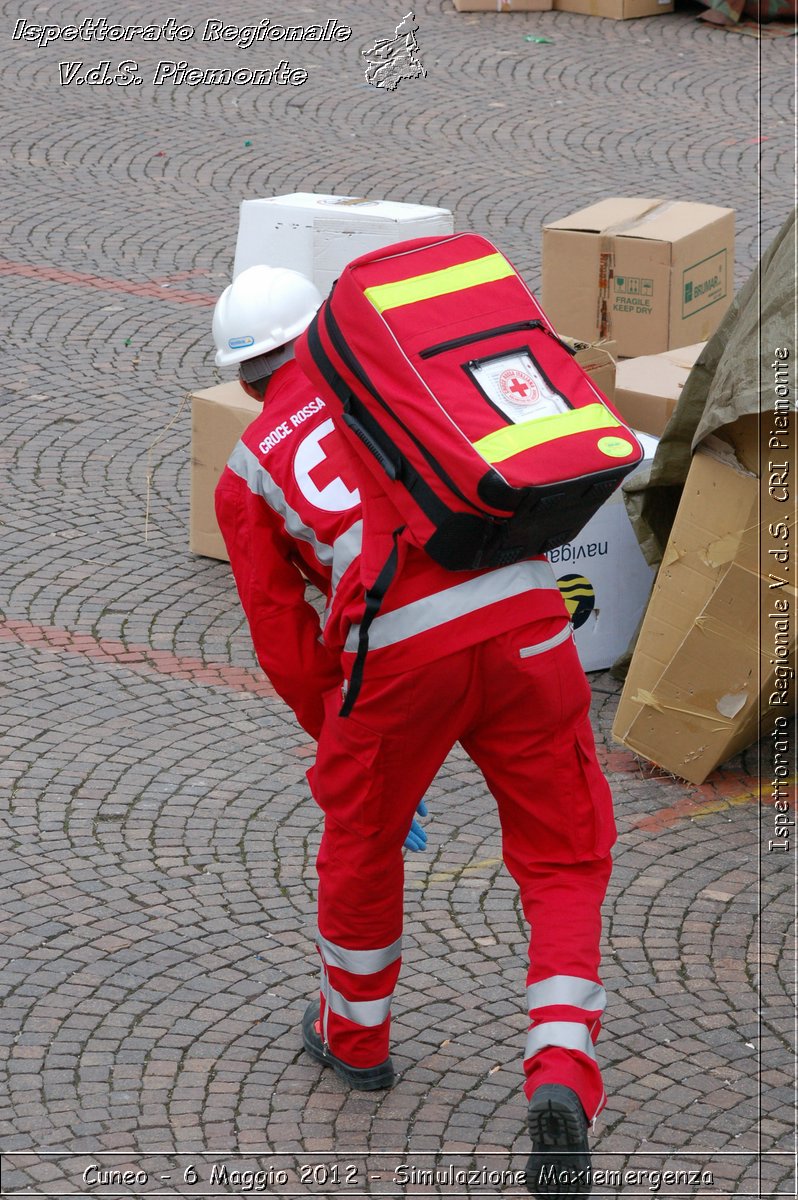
pixel 322 361
pixel 374 598
pixel 549 516
pixel 348 358
pixel 357 417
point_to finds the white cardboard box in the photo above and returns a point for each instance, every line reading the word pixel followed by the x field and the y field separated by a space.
pixel 318 234
pixel 605 580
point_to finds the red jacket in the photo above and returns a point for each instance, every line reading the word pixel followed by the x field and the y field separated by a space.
pixel 289 508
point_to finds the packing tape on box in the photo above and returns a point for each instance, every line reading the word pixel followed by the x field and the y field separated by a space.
pixel 715 628
pixel 607 259
pixel 658 208
pixel 649 700
pixel 606 273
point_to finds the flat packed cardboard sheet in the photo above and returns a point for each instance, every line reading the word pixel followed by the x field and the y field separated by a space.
pixel 705 668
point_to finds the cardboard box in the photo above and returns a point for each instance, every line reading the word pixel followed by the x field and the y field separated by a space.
pixel 605 580
pixel 647 389
pixel 503 6
pixel 219 415
pixel 597 361
pixel 650 274
pixel 705 668
pixel 618 10
pixel 319 234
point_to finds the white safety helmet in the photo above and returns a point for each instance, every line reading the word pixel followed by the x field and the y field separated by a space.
pixel 263 308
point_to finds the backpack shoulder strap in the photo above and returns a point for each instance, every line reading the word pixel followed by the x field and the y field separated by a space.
pixel 374 598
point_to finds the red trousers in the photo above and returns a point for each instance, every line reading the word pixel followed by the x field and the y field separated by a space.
pixel 519 706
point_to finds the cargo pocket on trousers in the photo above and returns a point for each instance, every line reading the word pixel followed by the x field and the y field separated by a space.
pixel 346 780
pixel 595 794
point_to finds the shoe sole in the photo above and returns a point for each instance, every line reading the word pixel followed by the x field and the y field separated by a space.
pixel 364 1079
pixel 561 1154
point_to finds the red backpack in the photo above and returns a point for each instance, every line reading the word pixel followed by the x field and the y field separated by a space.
pixel 453 390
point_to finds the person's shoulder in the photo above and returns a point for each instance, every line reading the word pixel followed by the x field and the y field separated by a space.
pixel 289 382
pixel 291 397
pixel 291 408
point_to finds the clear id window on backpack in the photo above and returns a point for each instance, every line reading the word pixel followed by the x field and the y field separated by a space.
pixel 515 385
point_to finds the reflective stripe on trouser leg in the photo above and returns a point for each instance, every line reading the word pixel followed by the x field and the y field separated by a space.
pixel 358 962
pixel 360 1012
pixel 360 973
pixel 565 1011
pixel 568 1035
pixel 569 990
pixel 549 1058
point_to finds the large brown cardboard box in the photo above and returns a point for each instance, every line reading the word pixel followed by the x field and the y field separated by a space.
pixel 219 415
pixel 706 669
pixel 650 274
pixel 503 5
pixel 647 389
pixel 618 10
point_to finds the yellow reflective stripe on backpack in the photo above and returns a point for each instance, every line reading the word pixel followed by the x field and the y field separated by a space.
pixel 512 439
pixel 437 283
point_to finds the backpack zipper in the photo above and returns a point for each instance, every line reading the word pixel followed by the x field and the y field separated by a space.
pixel 516 327
pixel 467 339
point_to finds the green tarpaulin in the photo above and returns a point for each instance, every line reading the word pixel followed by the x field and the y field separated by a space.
pixel 730 378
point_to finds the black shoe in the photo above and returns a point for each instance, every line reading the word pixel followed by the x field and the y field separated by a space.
pixel 559 1164
pixel 365 1079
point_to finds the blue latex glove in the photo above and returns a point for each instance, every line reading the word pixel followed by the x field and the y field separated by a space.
pixel 417 838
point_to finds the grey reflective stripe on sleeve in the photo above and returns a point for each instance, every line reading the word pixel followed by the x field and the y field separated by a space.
pixel 570 1035
pixel 566 989
pixel 367 1013
pixel 346 549
pixel 442 607
pixel 358 962
pixel 243 463
pixel 549 644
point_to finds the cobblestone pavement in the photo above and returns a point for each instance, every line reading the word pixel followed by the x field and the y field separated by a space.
pixel 158 836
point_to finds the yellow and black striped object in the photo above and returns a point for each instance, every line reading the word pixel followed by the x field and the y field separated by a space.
pixel 579 596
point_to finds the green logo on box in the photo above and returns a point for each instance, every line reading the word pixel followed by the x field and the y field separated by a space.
pixel 633 295
pixel 634 286
pixel 704 283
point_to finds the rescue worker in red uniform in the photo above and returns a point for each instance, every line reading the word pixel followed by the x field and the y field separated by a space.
pixel 485 658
